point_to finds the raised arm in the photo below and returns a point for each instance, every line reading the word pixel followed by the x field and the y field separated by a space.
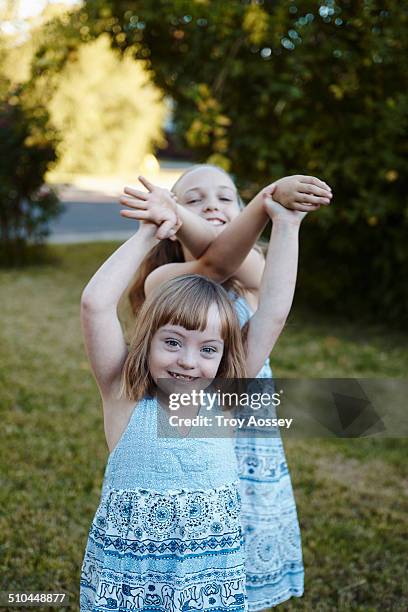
pixel 229 251
pixel 102 332
pixel 229 254
pixel 277 286
pixel 297 192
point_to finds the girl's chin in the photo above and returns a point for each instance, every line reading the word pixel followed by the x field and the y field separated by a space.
pixel 219 228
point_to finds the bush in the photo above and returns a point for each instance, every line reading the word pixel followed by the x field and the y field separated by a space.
pixel 276 88
pixel 355 270
pixel 268 89
pixel 27 149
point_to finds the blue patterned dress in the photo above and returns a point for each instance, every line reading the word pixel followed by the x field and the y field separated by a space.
pixel 167 535
pixel 274 567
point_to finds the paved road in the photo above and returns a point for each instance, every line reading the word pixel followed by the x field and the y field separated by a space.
pixel 93 219
pixel 92 209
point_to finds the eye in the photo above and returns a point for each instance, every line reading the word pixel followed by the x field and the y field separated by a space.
pixel 193 201
pixel 172 343
pixel 225 199
pixel 209 350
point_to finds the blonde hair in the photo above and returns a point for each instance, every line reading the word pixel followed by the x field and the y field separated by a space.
pixel 168 251
pixel 184 301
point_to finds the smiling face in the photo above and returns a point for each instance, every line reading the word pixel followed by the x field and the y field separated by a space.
pixel 187 355
pixel 187 333
pixel 209 193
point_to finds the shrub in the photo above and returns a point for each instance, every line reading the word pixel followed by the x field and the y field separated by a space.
pixel 27 149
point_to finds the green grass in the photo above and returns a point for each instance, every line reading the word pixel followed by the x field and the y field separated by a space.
pixel 351 494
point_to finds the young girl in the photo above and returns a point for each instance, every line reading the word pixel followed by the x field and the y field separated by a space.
pixel 208 202
pixel 167 532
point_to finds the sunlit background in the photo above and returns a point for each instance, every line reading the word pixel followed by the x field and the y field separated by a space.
pixel 23 9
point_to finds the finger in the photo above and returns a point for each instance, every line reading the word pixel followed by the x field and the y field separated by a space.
pixel 312 180
pixel 135 214
pixel 140 204
pixel 146 183
pixel 142 195
pixel 270 200
pixel 306 198
pixel 306 207
pixel 269 190
pixel 165 230
pixel 176 226
pixel 316 191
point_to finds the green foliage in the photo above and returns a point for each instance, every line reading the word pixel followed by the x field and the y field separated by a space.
pixel 65 98
pixel 299 87
pixel 27 148
pixel 106 111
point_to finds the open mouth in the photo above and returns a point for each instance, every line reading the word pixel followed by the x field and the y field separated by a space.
pixel 216 221
pixel 178 376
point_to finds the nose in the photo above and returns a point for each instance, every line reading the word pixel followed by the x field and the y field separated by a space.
pixel 187 360
pixel 212 204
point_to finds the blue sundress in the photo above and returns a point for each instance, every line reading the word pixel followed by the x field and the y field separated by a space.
pixel 274 566
pixel 187 524
pixel 167 535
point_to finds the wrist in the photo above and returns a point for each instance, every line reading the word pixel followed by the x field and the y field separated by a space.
pixel 258 203
pixel 285 222
pixel 147 230
pixel 172 202
pixel 180 211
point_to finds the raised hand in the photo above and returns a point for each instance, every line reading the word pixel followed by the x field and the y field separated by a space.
pixel 277 212
pixel 157 206
pixel 299 192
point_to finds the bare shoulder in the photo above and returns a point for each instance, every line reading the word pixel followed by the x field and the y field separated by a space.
pixel 116 415
pixel 166 272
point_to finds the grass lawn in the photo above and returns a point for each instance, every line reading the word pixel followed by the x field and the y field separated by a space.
pixel 351 494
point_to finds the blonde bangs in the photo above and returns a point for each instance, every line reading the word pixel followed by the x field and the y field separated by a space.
pixel 189 303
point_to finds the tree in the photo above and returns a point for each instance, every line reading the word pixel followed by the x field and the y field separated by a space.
pixel 106 111
pixel 27 149
pixel 271 88
pixel 266 88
